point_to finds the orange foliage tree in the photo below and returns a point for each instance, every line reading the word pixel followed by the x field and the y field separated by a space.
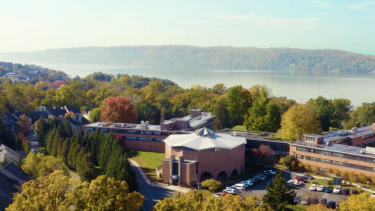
pixel 118 109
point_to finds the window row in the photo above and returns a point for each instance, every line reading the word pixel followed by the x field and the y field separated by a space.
pixel 337 163
pixel 143 139
pixel 335 154
pixel 90 129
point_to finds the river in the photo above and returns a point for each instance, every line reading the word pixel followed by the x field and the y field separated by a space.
pixel 297 85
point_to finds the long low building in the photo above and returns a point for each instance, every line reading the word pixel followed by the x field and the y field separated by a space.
pixel 146 137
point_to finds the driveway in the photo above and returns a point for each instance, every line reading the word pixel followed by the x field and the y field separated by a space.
pixel 33 141
pixel 151 194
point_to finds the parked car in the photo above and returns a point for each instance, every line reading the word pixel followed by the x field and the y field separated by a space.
pixel 222 193
pixel 321 188
pixel 307 177
pixel 258 179
pixel 323 201
pixel 329 189
pixel 246 182
pixel 331 204
pixel 313 187
pixel 353 192
pixel 337 189
pixel 259 203
pixel 299 183
pixel 232 191
pixel 240 186
pixel 267 173
pixel 305 200
pixel 299 178
pixel 272 172
pixel 291 185
pixel 373 194
pixel 315 201
pixel 361 191
pixel 297 199
pixel 345 191
pixel 262 177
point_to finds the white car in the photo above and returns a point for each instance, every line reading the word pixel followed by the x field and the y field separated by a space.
pixel 337 189
pixel 313 187
pixel 231 191
pixel 321 188
pixel 247 182
pixel 272 172
pixel 373 194
pixel 259 203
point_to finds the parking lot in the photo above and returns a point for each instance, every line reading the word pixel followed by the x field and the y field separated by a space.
pixel 258 189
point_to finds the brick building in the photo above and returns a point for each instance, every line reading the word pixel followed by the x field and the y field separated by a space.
pixel 146 137
pixel 341 150
pixel 203 154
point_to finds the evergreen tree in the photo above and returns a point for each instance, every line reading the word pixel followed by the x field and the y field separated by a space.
pixel 68 132
pixel 41 127
pixel 221 115
pixel 279 194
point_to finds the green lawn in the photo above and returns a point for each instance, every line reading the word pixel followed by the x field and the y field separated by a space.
pixel 148 161
pixel 239 127
pixel 297 207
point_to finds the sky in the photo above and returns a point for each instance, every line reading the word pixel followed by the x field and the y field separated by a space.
pixel 44 24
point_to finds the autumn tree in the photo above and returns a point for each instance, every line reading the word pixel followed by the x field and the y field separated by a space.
pixel 94 114
pixel 279 194
pixel 45 193
pixel 358 203
pixel 40 165
pixel 299 118
pixel 264 154
pixel 23 125
pixel 105 193
pixel 118 109
pixel 211 184
pixel 290 161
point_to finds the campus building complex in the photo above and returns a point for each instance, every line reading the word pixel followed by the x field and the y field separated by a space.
pixel 341 150
pixel 146 137
pixel 201 155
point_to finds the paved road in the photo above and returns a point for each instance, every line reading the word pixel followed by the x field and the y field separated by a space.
pixel 33 141
pixel 152 194
pixel 258 189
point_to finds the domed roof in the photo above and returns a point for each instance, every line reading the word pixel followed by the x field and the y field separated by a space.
pixel 205 138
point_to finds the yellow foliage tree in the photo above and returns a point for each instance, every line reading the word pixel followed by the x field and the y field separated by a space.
pixel 363 178
pixel 353 177
pixel 358 203
pixel 211 184
pixel 40 165
pixel 44 193
pixel 317 207
pixel 299 118
pixel 105 193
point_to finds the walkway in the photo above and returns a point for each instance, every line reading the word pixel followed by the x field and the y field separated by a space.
pixel 153 191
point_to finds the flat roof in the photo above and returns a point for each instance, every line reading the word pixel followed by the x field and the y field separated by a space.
pixel 340 148
pixel 255 135
pixel 113 125
pixel 342 134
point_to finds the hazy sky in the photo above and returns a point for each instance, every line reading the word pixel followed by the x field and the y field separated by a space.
pixel 43 24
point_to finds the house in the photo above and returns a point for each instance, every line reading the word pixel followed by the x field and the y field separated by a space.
pixel 9 154
pixel 10 120
pixel 11 180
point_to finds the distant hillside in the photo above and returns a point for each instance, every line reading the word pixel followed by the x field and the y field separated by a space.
pixel 209 57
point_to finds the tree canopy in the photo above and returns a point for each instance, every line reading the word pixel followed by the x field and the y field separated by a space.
pixel 279 194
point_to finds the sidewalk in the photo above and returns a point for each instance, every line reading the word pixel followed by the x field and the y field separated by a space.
pixel 156 184
pixel 317 177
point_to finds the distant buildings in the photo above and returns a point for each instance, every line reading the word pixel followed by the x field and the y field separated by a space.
pixel 201 155
pixel 15 77
pixel 146 137
pixel 7 65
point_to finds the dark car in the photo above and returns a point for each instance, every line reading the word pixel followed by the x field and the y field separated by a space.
pixel 314 201
pixel 323 201
pixel 331 204
pixel 329 189
pixel 345 191
pixel 361 191
pixel 353 192
pixel 297 199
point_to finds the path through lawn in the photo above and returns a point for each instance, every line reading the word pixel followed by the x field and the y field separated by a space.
pixel 148 161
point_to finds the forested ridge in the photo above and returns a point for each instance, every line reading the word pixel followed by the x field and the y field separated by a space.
pixel 206 57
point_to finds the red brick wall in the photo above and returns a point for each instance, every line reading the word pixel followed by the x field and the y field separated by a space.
pixel 166 171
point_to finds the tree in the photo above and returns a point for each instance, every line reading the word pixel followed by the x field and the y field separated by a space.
pixel 94 114
pixel 221 115
pixel 40 165
pixel 45 193
pixel 41 129
pixel 263 115
pixel 353 177
pixel 279 194
pixel 24 124
pixel 105 193
pixel 324 110
pixel 290 161
pixel 233 100
pixel 118 109
pixel 341 111
pixel 358 203
pixel 211 184
pixel 362 178
pixel 317 207
pixel 299 118
pixel 267 153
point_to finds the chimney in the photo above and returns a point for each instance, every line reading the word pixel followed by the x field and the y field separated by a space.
pixel 162 123
pixel 298 136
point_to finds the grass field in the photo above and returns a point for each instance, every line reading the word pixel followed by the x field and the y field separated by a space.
pixel 148 161
pixel 239 127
